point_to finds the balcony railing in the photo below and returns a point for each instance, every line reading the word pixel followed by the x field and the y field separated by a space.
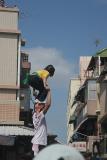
pixel 88 110
pixel 96 72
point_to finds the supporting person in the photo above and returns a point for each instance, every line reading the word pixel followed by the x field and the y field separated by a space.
pixel 39 122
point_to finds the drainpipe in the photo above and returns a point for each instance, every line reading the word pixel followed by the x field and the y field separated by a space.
pixel 98 95
pixel 98 98
pixel 18 71
pixel 99 68
pixel 98 107
pixel 98 111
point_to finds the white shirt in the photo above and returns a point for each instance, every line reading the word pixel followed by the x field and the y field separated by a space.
pixel 40 129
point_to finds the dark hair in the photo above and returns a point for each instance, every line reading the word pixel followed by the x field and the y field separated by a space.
pixel 61 158
pixel 87 154
pixel 50 68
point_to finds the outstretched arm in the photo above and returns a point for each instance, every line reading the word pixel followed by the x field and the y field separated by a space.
pixel 46 84
pixel 48 102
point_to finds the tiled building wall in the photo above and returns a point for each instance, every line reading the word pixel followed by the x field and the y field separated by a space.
pixel 7 94
pixel 9 112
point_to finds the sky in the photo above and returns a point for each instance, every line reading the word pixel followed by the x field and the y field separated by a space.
pixel 58 32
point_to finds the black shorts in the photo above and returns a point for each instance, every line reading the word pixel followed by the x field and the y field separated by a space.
pixel 36 82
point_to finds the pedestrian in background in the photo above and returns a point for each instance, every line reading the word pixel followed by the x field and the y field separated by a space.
pixel 87 156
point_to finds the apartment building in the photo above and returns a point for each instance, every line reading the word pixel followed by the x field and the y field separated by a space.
pixel 14 96
pixel 80 108
pixel 90 122
pixel 13 66
pixel 9 66
pixel 15 112
pixel 98 67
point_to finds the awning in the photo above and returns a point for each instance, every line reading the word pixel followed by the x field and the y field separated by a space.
pixel 81 89
pixel 79 96
pixel 8 134
pixel 7 140
pixel 91 65
pixel 84 122
pixel 76 131
pixel 16 130
pixel 80 124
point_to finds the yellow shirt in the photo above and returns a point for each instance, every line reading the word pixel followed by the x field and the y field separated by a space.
pixel 42 73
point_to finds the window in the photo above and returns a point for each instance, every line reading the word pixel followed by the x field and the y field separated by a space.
pixel 25 58
pixel 92 90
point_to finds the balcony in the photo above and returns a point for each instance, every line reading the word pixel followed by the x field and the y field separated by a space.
pixel 89 110
pixel 97 65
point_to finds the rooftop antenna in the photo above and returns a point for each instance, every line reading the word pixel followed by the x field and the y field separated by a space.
pixel 97 42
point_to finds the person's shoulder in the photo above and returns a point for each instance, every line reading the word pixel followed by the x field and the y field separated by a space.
pixel 45 71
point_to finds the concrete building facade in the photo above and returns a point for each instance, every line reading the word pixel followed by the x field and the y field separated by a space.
pixel 16 128
pixel 90 133
pixel 10 43
pixel 80 110
pixel 73 88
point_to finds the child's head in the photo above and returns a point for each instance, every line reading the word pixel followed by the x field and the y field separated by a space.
pixel 50 68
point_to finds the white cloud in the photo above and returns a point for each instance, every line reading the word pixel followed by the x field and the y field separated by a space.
pixel 41 57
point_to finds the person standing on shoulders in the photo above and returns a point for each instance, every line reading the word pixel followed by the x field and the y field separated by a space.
pixel 39 81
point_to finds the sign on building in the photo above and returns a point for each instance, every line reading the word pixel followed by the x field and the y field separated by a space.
pixel 80 146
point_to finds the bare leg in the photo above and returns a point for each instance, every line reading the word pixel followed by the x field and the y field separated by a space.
pixel 35 149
